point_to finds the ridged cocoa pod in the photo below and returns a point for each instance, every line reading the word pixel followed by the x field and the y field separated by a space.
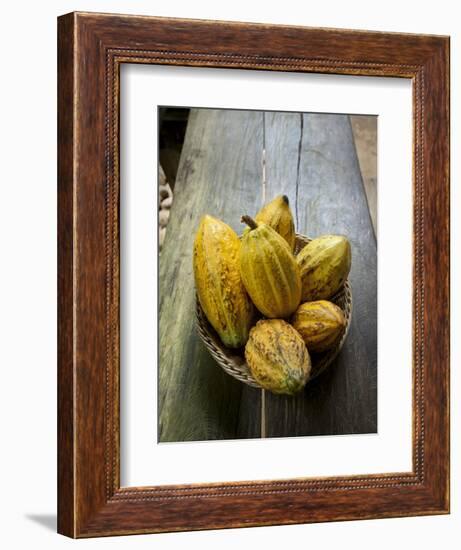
pixel 320 324
pixel 219 285
pixel 277 214
pixel 269 271
pixel 277 357
pixel 324 264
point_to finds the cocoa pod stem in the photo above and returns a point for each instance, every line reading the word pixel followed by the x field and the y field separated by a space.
pixel 249 221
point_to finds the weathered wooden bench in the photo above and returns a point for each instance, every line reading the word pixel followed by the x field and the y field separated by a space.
pixel 312 159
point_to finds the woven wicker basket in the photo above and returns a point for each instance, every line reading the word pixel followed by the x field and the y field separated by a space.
pixel 233 361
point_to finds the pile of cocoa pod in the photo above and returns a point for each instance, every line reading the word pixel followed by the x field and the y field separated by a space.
pixel 257 294
pixel 165 200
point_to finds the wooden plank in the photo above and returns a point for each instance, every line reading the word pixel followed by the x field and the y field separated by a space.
pixel 282 153
pixel 220 173
pixel 322 179
pixel 364 129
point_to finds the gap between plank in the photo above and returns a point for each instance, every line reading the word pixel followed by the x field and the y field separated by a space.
pixel 300 144
pixel 263 161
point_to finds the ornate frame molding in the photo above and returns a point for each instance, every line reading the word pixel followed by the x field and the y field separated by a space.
pixel 91 49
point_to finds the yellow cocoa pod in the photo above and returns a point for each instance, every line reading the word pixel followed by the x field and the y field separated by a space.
pixel 269 271
pixel 320 324
pixel 219 285
pixel 324 264
pixel 277 357
pixel 277 214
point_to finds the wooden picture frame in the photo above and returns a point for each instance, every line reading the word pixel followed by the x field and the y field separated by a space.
pixel 91 49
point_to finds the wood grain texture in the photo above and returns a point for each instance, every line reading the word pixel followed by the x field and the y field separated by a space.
pixel 91 500
pixel 324 184
pixel 364 129
pixel 218 175
pixel 66 244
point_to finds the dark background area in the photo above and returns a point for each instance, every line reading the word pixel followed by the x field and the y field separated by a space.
pixel 172 129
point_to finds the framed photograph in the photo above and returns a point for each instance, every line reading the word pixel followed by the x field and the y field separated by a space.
pixel 253 313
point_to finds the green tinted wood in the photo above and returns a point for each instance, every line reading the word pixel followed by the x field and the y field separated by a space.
pixel 325 187
pixel 220 173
